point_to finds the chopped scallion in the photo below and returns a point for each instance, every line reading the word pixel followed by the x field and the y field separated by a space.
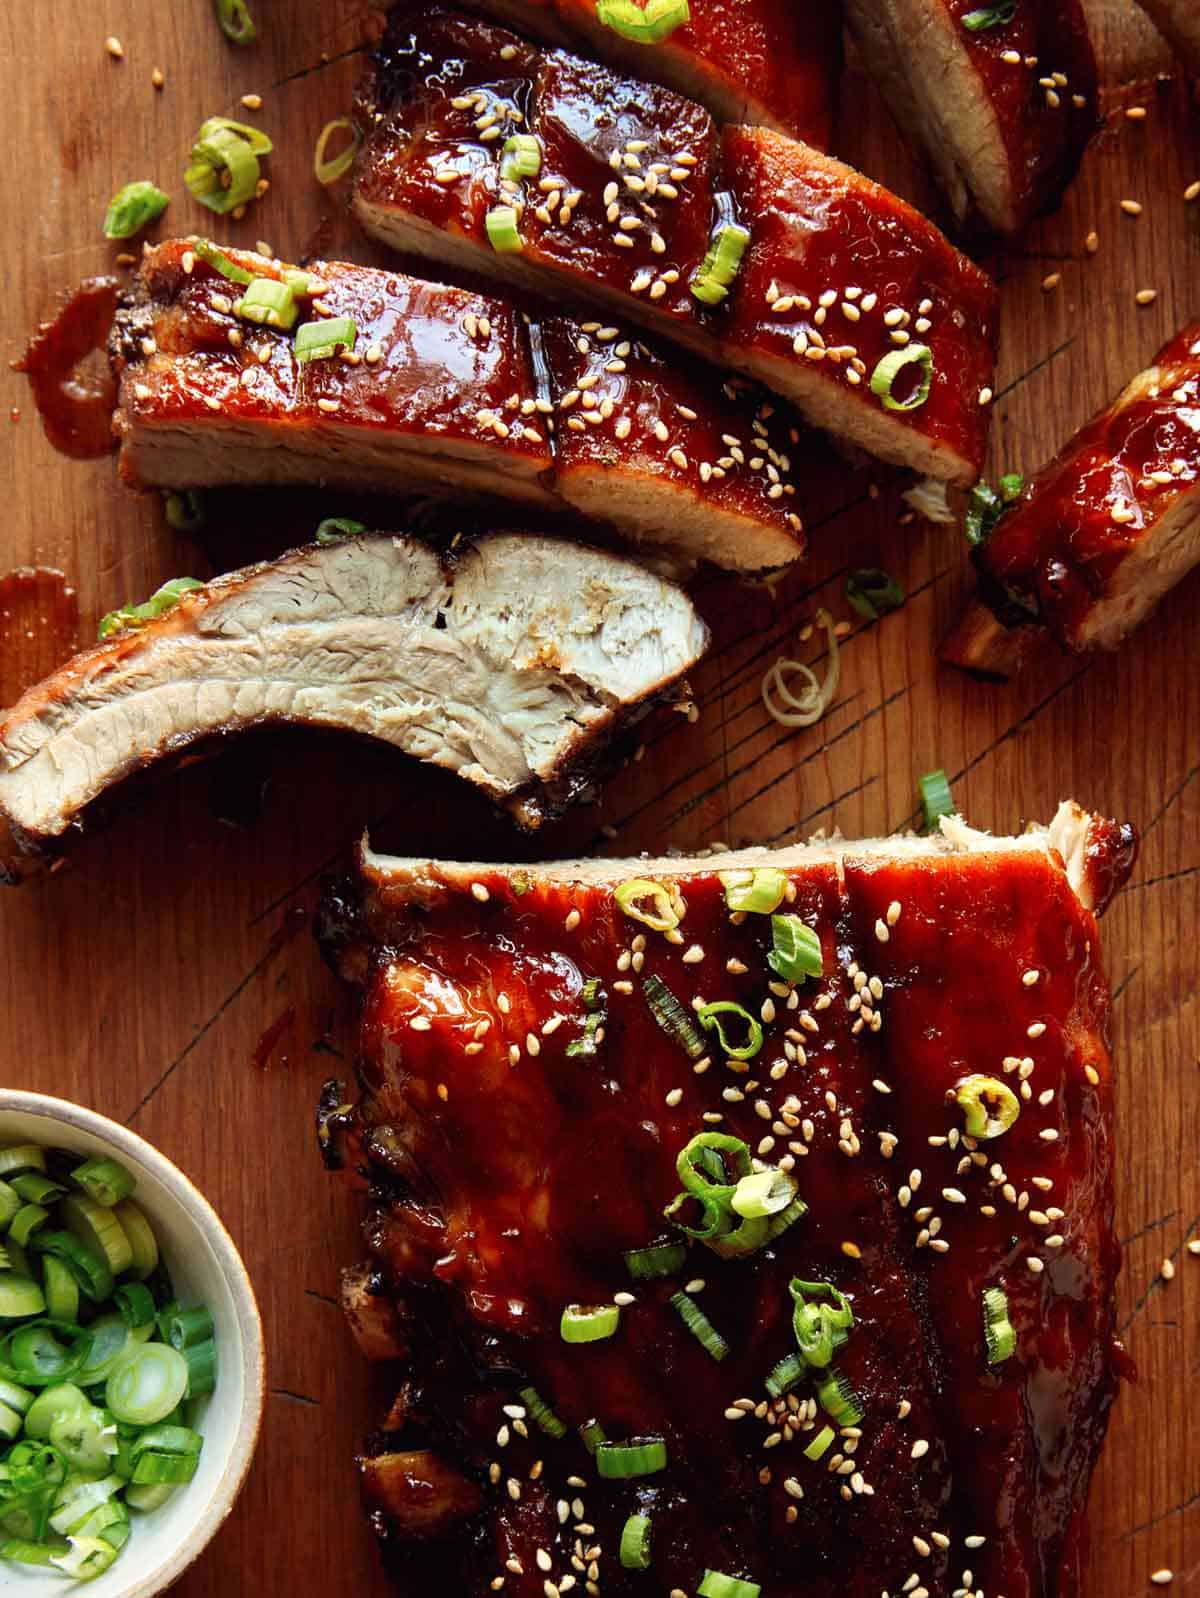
pixel 986 505
pixel 634 1551
pixel 838 1399
pixel 672 1017
pixel 698 1323
pixel 336 528
pixel 720 266
pixel 654 904
pixel 998 1334
pixel 712 1165
pixel 582 1323
pixel 236 22
pixel 328 170
pixel 795 952
pixel 789 1373
pixel 319 341
pixel 936 798
pixel 710 1016
pixel 883 378
pixel 757 892
pixel 990 1107
pixel 220 262
pixel 224 171
pixel 643 24
pixel 162 600
pixel 715 1584
pixel 820 1444
pixel 643 1456
pixel 873 593
pixel 763 1193
pixel 105 1181
pixel 133 208
pixel 503 232
pixel 269 303
pixel 662 1259
pixel 540 1413
pixel 521 157
pixel 990 16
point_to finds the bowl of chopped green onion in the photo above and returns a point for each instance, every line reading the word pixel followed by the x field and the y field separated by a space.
pixel 131 1358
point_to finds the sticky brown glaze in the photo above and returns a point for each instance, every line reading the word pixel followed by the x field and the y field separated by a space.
pixel 76 415
pixel 1103 531
pixel 634 180
pixel 449 385
pixel 749 61
pixel 508 1177
pixel 1046 105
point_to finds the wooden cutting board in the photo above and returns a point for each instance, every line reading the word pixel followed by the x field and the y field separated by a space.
pixel 167 975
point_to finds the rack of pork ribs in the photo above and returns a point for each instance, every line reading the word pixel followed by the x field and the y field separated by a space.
pixel 526 1094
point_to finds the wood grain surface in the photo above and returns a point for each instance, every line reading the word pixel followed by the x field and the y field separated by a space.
pixel 167 976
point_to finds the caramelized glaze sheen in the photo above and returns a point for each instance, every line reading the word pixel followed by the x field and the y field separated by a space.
pixel 76 415
pixel 633 181
pixel 1059 545
pixel 508 1181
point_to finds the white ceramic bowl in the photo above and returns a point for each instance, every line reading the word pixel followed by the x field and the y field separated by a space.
pixel 206 1269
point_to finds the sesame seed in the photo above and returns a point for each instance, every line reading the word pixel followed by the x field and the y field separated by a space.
pixel 985 396
pixel 1048 1135
pixel 919 1449
pixel 573 920
pixel 674 1097
pixel 1163 1577
pixel 114 47
pixel 1131 208
pixel 1036 1265
pixel 1135 113
pixel 478 891
pixel 852 1251
pixel 1194 1246
pixel 157 78
pixel 1167 1270
pixel 1092 243
pixel 252 102
pixel 693 955
pixel 1051 281
pixel 1146 296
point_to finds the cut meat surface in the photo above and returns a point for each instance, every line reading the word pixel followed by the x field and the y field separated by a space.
pixel 1004 111
pixel 846 301
pixel 526 1095
pixel 453 392
pixel 749 61
pixel 1102 533
pixel 1179 22
pixel 506 665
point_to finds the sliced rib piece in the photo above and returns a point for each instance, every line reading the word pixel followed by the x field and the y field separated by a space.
pixel 1179 22
pixel 633 181
pixel 751 61
pixel 1101 533
pixel 1004 111
pixel 520 1122
pixel 506 665
pixel 452 391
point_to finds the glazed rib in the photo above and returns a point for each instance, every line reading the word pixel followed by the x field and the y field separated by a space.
pixel 507 665
pixel 509 1172
pixel 1179 23
pixel 450 391
pixel 748 61
pixel 1102 533
pixel 1003 113
pixel 839 274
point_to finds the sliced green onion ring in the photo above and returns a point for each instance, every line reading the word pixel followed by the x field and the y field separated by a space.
pixel 755 892
pixel 634 1551
pixel 990 16
pixel 872 592
pixel 589 1323
pixel 730 1162
pixel 671 1015
pixel 540 1413
pixel 820 1328
pixel 19 1297
pixel 591 1434
pixel 235 21
pixel 999 1336
pixel 661 1259
pixel 778 1224
pixel 133 616
pixel 641 1456
pixel 789 1373
pixel 990 1107
pixel 698 1323
pixel 521 157
pixel 329 170
pixel 43 1353
pixel 138 1229
pixel 838 1399
pixel 883 378
pixel 320 341
pixel 712 1220
pixel 795 952
pixel 268 303
pixel 710 1018
pixel 335 528
pixel 936 798
pixel 147 1384
pixel 820 1444
pixel 747 1237
pixel 133 208
pixel 643 24
pixel 715 1584
pixel 21 1157
pixel 654 904
pixel 220 262
pixel 105 1181
pixel 763 1193
pixel 503 230
pixel 721 265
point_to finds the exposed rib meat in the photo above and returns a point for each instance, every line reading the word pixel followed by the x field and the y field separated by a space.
pixel 633 180
pixel 510 1168
pixel 750 61
pixel 1003 112
pixel 450 391
pixel 506 666
pixel 1101 533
